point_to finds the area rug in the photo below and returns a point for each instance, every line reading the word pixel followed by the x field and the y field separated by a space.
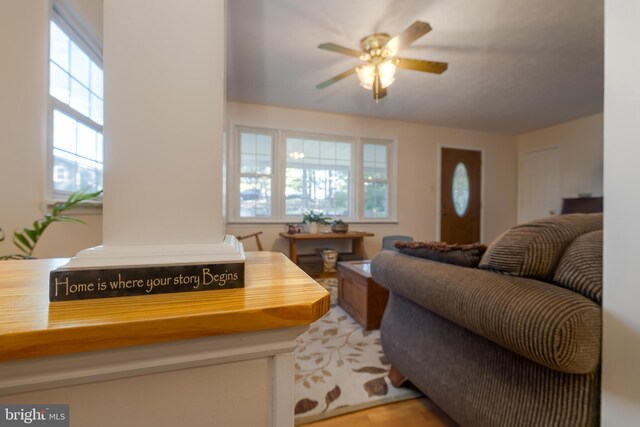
pixel 340 367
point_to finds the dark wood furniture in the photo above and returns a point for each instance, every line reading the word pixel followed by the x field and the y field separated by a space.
pixel 582 205
pixel 356 237
pixel 359 295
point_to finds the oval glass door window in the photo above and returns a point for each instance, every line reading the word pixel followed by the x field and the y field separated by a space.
pixel 460 189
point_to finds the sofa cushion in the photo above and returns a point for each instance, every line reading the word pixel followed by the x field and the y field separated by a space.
pixel 535 248
pixel 545 323
pixel 462 255
pixel 580 268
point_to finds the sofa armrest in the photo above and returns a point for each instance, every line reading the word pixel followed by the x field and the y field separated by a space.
pixel 547 324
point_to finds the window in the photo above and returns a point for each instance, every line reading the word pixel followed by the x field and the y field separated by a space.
pixel 76 112
pixel 376 179
pixel 279 175
pixel 318 176
pixel 256 165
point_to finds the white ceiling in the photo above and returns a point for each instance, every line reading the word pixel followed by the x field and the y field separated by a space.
pixel 514 65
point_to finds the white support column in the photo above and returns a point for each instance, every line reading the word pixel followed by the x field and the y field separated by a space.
pixel 283 404
pixel 164 64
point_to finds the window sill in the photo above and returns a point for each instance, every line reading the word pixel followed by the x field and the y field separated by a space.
pixel 282 223
pixel 90 208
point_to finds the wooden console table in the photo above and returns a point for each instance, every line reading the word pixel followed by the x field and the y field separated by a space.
pixel 356 237
pixel 221 357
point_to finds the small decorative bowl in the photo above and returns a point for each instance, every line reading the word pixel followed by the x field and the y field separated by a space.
pixel 339 227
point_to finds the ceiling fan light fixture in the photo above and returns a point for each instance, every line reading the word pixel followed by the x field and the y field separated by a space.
pixel 387 71
pixel 367 73
pixel 378 53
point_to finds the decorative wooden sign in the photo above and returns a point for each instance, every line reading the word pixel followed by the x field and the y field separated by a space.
pixel 65 285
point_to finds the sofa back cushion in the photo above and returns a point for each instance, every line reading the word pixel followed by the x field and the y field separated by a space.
pixel 534 249
pixel 580 268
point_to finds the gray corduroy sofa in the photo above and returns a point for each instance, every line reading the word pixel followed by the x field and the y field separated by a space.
pixel 515 342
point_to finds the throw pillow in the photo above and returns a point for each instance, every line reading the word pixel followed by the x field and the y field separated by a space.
pixel 534 249
pixel 462 255
pixel 580 268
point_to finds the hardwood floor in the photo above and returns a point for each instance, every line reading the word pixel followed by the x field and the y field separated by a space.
pixel 408 413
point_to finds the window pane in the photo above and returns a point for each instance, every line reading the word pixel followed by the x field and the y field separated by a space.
pixel 86 142
pixel 89 175
pixel 59 47
pixel 255 197
pixel 77 147
pixel 79 98
pixel 376 186
pixel 97 80
pixel 317 176
pixel 59 83
pixel 64 132
pixel 255 168
pixel 255 154
pixel 460 189
pixel 99 148
pixel 375 161
pixel 248 143
pixel 79 64
pixel 96 109
pixel 64 171
pixel 376 200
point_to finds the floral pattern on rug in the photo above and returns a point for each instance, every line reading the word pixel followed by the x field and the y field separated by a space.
pixel 340 367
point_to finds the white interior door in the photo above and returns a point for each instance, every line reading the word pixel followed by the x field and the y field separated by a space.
pixel 539 184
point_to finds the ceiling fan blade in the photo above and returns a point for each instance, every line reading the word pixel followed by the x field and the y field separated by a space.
pixel 408 36
pixel 420 65
pixel 340 49
pixel 337 78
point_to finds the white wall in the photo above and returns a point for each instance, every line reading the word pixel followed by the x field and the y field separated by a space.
pixel 580 142
pixel 23 117
pixel 417 172
pixel 621 299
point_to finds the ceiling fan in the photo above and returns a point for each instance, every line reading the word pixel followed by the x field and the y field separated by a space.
pixel 379 51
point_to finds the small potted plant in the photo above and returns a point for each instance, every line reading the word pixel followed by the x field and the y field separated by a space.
pixel 314 220
pixel 26 239
pixel 339 226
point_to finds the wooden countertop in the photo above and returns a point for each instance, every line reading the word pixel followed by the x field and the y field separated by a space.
pixel 277 294
pixel 309 236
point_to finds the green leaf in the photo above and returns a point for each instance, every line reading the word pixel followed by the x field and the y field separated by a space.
pixel 32 234
pixel 18 242
pixel 27 239
pixel 13 257
pixel 20 237
pixel 69 219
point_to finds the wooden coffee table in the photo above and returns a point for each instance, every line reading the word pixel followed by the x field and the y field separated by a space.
pixel 359 295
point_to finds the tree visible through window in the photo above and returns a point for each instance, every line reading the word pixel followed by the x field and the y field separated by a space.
pixel 280 175
pixel 376 180
pixel 255 174
pixel 318 176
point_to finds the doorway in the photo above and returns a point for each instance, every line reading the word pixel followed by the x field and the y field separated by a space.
pixel 460 195
pixel 539 184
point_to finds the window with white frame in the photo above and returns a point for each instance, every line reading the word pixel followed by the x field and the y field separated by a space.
pixel 375 156
pixel 279 175
pixel 76 112
pixel 256 166
pixel 317 176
